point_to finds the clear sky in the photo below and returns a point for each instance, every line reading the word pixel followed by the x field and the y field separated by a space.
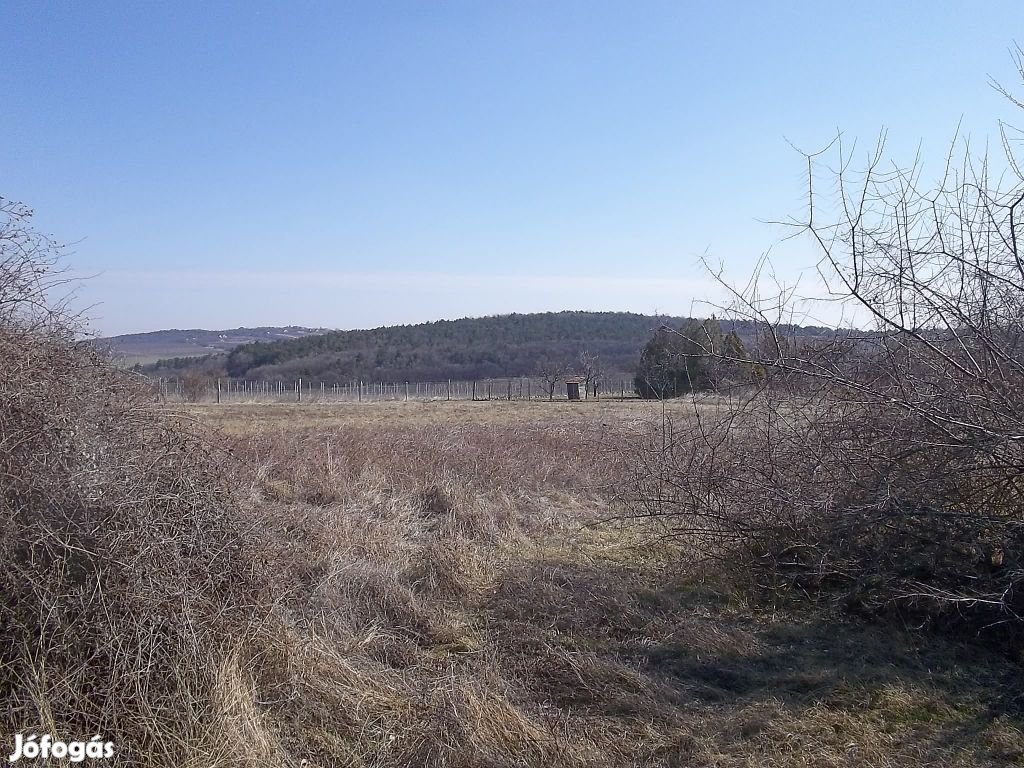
pixel 361 164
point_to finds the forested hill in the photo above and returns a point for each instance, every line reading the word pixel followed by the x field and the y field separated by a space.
pixel 470 348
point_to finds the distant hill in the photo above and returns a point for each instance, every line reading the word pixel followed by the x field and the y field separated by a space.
pixel 471 348
pixel 144 348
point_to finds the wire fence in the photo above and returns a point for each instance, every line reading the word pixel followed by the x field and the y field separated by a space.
pixel 208 390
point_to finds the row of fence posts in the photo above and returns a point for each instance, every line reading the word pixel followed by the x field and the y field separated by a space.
pixel 223 390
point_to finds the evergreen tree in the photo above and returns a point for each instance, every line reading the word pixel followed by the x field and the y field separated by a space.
pixel 693 358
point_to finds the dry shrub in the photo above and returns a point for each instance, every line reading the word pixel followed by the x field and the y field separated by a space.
pixel 127 587
pixel 849 496
pixel 883 466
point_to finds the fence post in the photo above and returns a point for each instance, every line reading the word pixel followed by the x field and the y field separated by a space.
pixel 218 391
pixel 298 391
pixel 407 391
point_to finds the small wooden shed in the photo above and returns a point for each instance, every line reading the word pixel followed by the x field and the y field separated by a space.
pixel 572 389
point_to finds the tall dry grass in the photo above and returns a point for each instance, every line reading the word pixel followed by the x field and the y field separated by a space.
pixel 386 545
pixel 444 595
pixel 453 596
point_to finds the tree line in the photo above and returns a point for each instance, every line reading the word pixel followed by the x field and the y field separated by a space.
pixel 508 346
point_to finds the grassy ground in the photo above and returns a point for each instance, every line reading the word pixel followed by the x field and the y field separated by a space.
pixel 455 595
pixel 244 417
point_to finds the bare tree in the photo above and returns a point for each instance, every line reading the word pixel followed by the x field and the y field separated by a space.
pixel 590 370
pixel 195 385
pixel 31 274
pixel 551 371
pixel 883 465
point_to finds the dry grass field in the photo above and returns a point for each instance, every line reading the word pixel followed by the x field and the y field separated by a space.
pixel 455 591
pixel 245 417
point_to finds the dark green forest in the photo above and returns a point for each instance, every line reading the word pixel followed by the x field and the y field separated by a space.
pixel 470 348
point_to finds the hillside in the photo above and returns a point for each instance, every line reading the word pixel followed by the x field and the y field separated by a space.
pixel 470 348
pixel 149 347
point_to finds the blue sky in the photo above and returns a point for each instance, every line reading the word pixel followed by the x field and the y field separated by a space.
pixel 353 165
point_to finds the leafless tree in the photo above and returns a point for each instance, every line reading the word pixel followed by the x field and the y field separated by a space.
pixel 33 281
pixel 551 371
pixel 883 465
pixel 590 370
pixel 195 385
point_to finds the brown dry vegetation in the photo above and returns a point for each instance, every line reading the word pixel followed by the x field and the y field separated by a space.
pixel 400 585
pixel 411 585
pixel 449 593
pixel 245 417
